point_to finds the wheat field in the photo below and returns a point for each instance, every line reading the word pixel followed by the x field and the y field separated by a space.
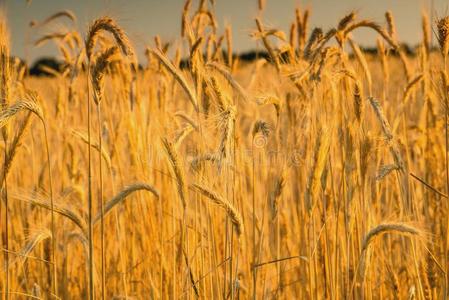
pixel 319 170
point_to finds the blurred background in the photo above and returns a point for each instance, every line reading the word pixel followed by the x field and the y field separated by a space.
pixel 143 19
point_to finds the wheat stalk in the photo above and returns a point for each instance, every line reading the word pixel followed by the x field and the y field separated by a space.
pixel 320 155
pixel 58 208
pixel 177 75
pixel 398 228
pixel 94 144
pixel 231 211
pixel 109 25
pixel 443 37
pixel 33 241
pixel 60 14
pixel 7 114
pixel 177 169
pixel 122 195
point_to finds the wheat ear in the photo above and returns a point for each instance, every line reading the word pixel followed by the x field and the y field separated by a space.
pixel 232 212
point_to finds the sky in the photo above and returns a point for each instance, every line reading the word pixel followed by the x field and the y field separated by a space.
pixel 143 19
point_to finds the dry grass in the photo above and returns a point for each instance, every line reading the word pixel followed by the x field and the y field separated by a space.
pixel 319 173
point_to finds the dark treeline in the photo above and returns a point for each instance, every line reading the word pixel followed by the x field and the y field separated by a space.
pixel 40 66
